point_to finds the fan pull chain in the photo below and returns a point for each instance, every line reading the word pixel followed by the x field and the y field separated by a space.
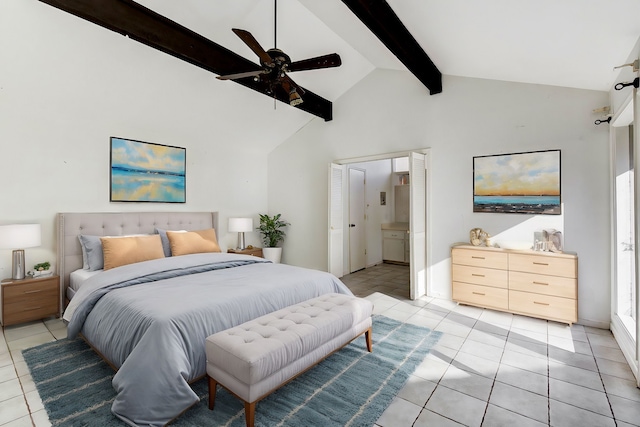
pixel 275 23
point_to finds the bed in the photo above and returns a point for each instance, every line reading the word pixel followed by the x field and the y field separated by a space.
pixel 150 319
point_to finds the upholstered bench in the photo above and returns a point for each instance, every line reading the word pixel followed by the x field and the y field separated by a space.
pixel 253 359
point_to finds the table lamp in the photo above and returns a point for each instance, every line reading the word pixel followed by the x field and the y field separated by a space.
pixel 18 237
pixel 240 225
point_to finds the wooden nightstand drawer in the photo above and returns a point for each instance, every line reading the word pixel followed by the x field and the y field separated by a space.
pixel 30 299
pixel 545 306
pixel 549 285
pixel 480 258
pixel 541 264
pixel 480 276
pixel 483 296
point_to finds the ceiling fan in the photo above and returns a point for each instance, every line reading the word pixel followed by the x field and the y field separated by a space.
pixel 276 64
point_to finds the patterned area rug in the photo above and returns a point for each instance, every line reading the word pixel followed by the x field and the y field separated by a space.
pixel 351 387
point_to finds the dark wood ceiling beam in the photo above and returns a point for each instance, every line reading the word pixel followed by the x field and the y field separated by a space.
pixel 152 29
pixel 378 16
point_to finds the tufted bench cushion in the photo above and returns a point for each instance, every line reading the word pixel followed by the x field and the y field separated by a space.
pixel 255 358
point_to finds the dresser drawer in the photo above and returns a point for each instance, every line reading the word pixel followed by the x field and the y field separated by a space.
pixel 480 276
pixel 545 306
pixel 393 234
pixel 549 285
pixel 484 296
pixel 480 258
pixel 540 264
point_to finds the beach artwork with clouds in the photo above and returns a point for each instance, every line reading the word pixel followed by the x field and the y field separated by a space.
pixel 517 183
pixel 147 172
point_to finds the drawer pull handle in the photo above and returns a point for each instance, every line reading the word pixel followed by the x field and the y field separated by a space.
pixel 540 303
pixel 540 263
pixel 478 293
pixel 540 283
pixel 33 292
pixel 477 257
pixel 33 308
pixel 477 275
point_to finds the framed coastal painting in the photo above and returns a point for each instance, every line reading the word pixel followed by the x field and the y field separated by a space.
pixel 525 183
pixel 147 172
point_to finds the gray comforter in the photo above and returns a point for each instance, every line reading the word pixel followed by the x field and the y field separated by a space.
pixel 150 320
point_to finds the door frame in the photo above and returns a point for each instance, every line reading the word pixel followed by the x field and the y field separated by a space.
pixel 629 345
pixel 348 219
pixel 428 216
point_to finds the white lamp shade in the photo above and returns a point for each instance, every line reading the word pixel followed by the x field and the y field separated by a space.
pixel 240 224
pixel 20 236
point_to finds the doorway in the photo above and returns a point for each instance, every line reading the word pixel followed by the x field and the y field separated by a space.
pixel 626 203
pixel 377 213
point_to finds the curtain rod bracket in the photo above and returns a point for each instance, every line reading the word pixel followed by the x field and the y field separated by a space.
pixel 635 64
pixel 600 121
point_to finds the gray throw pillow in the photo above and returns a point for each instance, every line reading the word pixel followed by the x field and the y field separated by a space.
pixel 166 246
pixel 92 252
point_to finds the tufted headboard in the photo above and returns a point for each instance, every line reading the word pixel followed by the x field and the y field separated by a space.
pixel 70 225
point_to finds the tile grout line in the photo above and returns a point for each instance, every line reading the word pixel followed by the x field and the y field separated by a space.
pixel 24 394
pixel 424 407
pixel 548 381
pixel 613 415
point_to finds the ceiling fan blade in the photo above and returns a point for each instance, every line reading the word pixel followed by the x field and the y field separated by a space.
pixel 325 61
pixel 241 75
pixel 253 44
pixel 158 32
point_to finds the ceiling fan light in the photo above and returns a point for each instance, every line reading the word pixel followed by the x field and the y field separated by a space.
pixel 294 98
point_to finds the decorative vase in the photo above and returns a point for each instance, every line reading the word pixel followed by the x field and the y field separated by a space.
pixel 272 254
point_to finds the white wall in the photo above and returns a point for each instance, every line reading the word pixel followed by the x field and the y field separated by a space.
pixel 66 86
pixel 389 111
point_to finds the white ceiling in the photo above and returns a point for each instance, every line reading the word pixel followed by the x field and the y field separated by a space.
pixel 572 43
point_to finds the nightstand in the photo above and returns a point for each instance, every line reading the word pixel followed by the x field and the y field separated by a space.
pixel 29 299
pixel 253 251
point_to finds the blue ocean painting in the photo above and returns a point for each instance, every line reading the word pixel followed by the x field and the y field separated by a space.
pixel 517 183
pixel 146 172
pixel 518 204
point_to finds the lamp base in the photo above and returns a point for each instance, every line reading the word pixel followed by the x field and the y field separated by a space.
pixel 240 241
pixel 17 264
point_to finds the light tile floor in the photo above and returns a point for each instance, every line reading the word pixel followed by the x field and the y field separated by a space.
pixel 488 369
pixel 497 369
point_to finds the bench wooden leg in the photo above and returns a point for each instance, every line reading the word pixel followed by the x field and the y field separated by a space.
pixel 212 391
pixel 367 336
pixel 250 413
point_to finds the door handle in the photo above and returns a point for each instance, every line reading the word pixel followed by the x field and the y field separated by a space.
pixel 352 225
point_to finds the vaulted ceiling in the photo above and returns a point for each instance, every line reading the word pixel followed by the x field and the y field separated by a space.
pixel 572 43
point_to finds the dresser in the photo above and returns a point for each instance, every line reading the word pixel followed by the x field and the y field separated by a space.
pixel 29 299
pixel 537 284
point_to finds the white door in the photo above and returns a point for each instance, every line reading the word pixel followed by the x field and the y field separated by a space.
pixel 336 234
pixel 357 245
pixel 418 225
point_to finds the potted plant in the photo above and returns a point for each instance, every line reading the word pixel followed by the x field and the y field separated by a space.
pixel 272 234
pixel 41 270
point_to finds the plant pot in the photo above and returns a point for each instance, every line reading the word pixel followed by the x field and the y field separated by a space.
pixel 272 254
